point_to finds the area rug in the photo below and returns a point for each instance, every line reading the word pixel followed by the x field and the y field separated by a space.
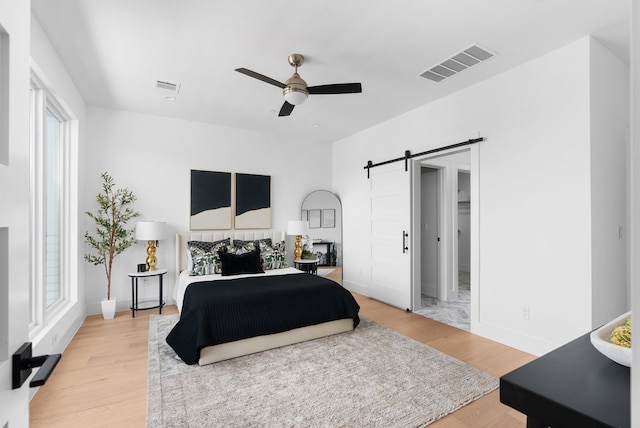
pixel 371 376
pixel 323 272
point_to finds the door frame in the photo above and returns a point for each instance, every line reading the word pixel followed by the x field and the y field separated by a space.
pixel 448 276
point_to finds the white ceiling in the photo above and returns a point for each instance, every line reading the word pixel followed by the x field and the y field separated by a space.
pixel 115 50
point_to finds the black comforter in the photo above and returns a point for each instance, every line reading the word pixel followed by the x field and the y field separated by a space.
pixel 222 311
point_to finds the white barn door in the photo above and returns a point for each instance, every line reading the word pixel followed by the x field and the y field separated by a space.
pixel 14 214
pixel 390 220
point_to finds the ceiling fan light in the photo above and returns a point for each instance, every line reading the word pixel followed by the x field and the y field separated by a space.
pixel 295 96
pixel 295 90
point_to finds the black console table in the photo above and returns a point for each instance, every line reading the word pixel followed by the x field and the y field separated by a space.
pixel 328 261
pixel 572 386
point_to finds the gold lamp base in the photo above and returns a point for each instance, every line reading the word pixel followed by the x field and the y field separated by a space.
pixel 298 251
pixel 151 256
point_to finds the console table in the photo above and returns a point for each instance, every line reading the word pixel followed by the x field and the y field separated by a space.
pixel 328 254
pixel 144 305
pixel 572 386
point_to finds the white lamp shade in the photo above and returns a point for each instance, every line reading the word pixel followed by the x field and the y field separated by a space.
pixel 294 97
pixel 150 230
pixel 298 227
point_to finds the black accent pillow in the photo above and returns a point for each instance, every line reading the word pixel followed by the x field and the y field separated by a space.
pixel 234 264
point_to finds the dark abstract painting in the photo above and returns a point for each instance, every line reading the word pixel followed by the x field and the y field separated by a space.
pixel 253 201
pixel 210 200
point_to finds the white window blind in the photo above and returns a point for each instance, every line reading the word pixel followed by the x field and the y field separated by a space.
pixel 52 207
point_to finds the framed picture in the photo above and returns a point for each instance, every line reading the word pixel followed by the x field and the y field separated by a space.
pixel 253 201
pixel 329 218
pixel 210 200
pixel 314 219
pixel 304 215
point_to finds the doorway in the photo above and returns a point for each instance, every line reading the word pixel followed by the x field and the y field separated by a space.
pixel 442 267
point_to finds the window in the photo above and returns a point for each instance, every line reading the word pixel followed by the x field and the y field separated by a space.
pixel 51 128
pixel 52 207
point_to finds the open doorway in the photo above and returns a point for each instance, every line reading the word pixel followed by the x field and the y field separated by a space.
pixel 443 265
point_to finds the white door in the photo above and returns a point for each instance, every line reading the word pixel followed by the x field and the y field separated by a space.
pixel 14 212
pixel 390 220
pixel 14 309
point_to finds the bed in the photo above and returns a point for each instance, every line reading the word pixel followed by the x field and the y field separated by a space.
pixel 228 314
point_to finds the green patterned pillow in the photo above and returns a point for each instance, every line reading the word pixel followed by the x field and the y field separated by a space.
pixel 245 247
pixel 206 261
pixel 240 243
pixel 273 257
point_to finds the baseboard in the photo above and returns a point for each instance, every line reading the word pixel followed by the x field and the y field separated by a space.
pixel 512 339
pixel 121 306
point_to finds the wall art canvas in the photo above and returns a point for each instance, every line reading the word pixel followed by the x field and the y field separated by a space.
pixel 253 201
pixel 314 219
pixel 210 200
pixel 329 218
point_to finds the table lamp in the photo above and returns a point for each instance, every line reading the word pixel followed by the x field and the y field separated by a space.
pixel 150 231
pixel 298 228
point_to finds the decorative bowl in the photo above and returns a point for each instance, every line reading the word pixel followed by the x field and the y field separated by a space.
pixel 601 340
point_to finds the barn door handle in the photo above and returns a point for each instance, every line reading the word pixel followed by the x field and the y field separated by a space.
pixel 23 362
pixel 404 241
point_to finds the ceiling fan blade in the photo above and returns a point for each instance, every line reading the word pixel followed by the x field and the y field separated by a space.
pixel 286 109
pixel 336 88
pixel 260 77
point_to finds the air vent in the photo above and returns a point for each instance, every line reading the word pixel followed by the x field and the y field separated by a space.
pixel 457 63
pixel 169 90
pixel 168 86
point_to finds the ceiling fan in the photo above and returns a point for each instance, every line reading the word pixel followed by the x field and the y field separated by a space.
pixel 296 91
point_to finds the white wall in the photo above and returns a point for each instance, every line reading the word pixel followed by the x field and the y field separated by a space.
pixel 54 74
pixel 153 156
pixel 609 136
pixel 535 193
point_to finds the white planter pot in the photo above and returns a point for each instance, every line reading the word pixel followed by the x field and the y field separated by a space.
pixel 108 308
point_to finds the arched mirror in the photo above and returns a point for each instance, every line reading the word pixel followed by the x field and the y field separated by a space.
pixel 323 210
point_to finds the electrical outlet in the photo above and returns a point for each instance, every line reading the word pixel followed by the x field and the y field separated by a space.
pixel 524 312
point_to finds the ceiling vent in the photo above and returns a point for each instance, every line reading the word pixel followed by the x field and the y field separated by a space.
pixel 459 62
pixel 168 89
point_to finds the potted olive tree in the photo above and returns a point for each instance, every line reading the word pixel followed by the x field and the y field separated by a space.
pixel 111 237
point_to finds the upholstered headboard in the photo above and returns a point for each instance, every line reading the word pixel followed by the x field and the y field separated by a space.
pixel 215 235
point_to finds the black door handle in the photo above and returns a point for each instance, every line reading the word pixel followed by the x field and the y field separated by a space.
pixel 404 242
pixel 23 362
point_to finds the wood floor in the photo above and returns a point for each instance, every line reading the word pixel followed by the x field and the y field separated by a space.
pixel 101 380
